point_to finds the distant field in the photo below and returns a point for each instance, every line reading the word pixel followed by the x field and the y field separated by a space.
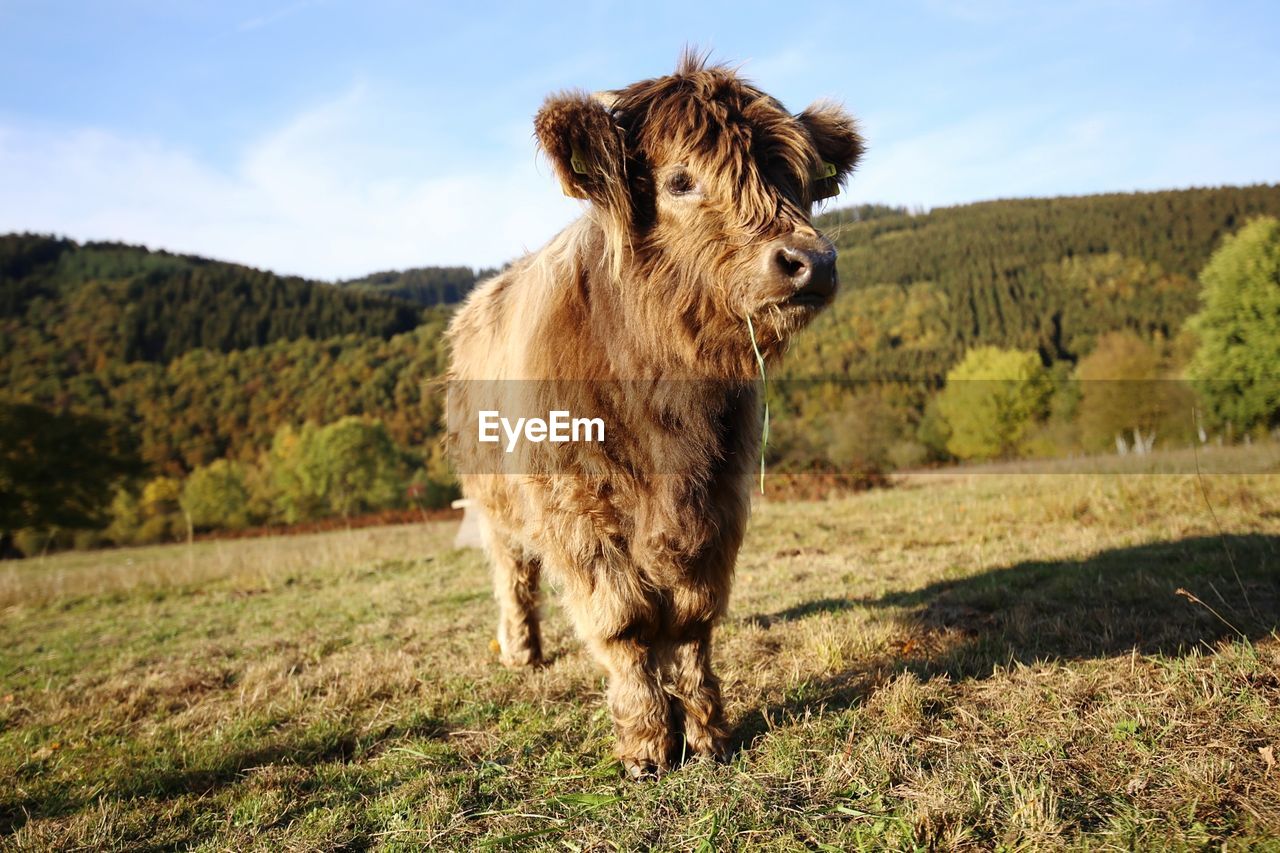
pixel 1257 458
pixel 1017 660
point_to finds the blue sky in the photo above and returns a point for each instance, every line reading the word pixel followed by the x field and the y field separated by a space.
pixel 336 138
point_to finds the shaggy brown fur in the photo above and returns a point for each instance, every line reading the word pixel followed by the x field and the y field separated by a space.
pixel 700 187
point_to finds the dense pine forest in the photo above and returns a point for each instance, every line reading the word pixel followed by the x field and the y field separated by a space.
pixel 113 301
pixel 426 286
pixel 226 381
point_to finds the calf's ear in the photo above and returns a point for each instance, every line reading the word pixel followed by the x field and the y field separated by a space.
pixel 584 145
pixel 838 143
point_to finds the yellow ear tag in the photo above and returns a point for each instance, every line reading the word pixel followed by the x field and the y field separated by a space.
pixel 823 185
pixel 579 166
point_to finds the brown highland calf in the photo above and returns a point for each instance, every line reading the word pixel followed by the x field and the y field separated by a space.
pixel 700 188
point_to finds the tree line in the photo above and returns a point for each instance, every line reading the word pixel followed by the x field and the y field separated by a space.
pixel 425 286
pixel 203 371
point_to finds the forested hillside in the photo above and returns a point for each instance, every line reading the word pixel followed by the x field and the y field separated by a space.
pixel 427 286
pixel 205 405
pixel 1093 290
pixel 213 370
pixel 204 359
pixel 91 304
pixel 1044 274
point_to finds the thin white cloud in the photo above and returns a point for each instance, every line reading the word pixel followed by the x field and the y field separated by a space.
pixel 259 21
pixel 1002 11
pixel 322 195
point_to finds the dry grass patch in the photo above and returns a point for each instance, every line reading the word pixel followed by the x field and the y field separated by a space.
pixel 994 660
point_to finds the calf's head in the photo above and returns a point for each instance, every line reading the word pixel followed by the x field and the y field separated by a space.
pixel 704 186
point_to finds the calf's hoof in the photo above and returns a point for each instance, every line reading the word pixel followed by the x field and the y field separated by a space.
pixel 714 749
pixel 641 769
pixel 516 658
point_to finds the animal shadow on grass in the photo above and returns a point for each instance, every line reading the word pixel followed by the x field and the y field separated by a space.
pixel 1105 605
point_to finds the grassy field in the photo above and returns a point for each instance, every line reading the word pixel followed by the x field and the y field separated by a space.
pixel 1017 661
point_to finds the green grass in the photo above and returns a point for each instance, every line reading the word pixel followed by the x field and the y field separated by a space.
pixel 987 661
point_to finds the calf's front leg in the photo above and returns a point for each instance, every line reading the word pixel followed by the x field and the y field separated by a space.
pixel 639 706
pixel 697 690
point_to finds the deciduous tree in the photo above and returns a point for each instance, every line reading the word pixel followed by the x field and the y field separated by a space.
pixel 991 399
pixel 1236 368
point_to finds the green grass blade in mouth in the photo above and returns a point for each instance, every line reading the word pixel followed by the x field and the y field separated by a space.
pixel 764 380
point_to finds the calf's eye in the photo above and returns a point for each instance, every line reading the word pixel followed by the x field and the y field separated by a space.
pixel 681 183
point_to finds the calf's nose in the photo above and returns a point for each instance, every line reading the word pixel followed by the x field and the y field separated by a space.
pixel 811 270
